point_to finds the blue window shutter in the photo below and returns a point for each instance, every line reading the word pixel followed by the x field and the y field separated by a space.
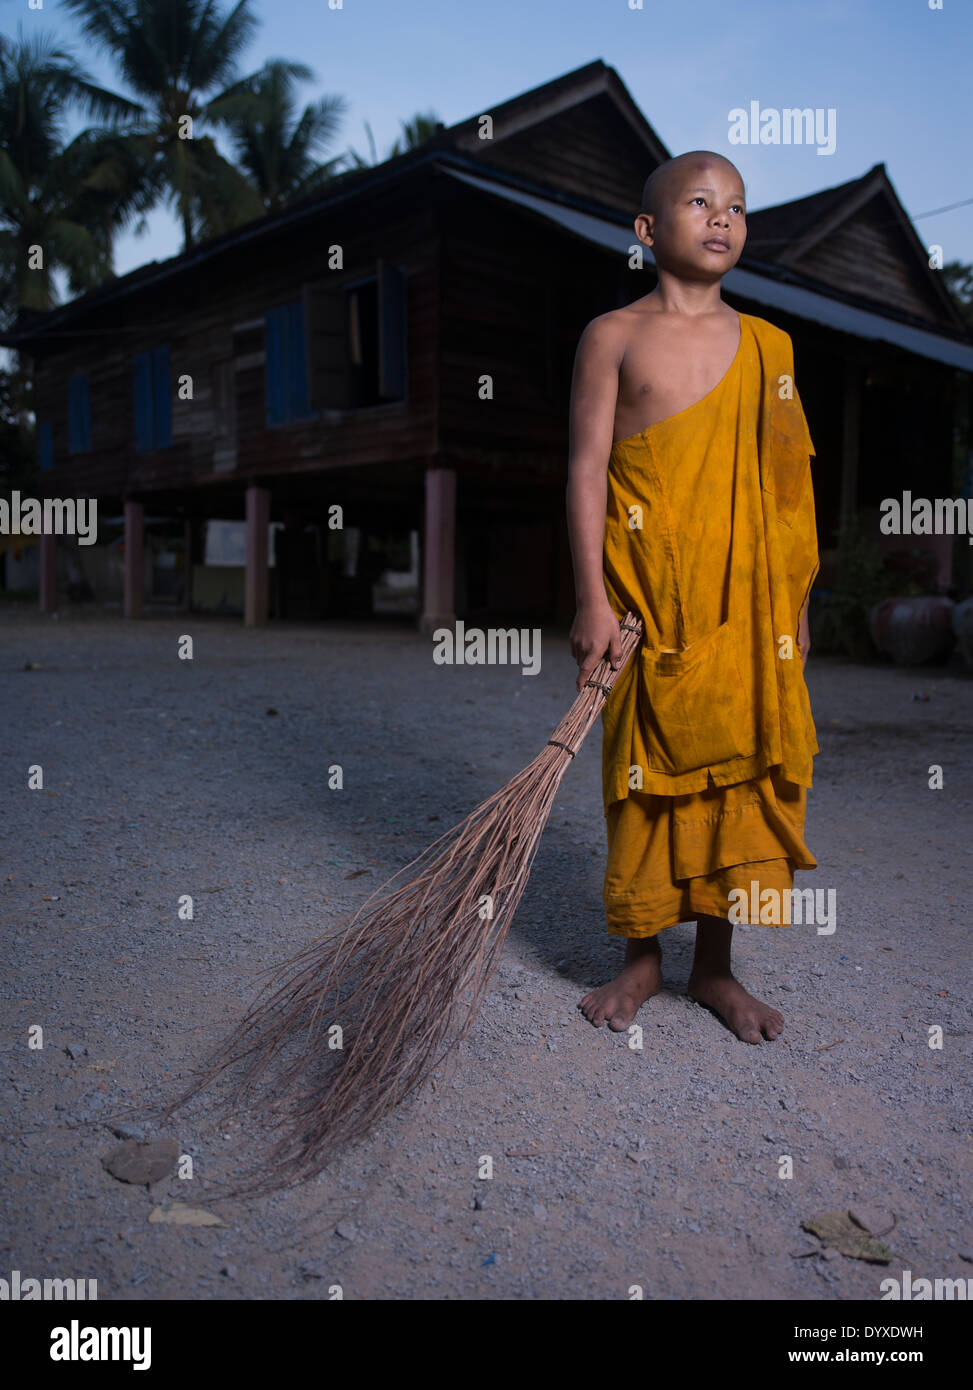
pixel 161 399
pixel 274 378
pixel 296 361
pixel 45 444
pixel 143 402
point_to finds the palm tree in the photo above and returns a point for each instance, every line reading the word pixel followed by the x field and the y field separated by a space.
pixel 415 132
pixel 272 144
pixel 173 54
pixel 43 221
pixel 123 182
pixel 358 161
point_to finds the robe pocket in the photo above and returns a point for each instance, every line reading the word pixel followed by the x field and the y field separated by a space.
pixel 693 703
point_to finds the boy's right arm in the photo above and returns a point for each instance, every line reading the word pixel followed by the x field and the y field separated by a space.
pixel 594 391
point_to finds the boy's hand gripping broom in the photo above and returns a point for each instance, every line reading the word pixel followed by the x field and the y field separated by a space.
pixel 405 978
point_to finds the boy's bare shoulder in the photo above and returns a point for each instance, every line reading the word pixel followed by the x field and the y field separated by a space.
pixel 611 330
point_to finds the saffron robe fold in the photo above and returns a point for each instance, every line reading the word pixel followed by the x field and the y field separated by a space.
pixel 710 537
pixel 673 858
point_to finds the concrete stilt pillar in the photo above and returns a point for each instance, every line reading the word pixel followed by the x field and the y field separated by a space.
pixel 134 591
pixel 439 551
pixel 48 575
pixel 256 582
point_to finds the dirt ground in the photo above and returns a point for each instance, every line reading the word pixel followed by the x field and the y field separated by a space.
pixel 613 1167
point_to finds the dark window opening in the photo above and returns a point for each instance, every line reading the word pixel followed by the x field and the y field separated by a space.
pixel 361 320
pixel 356 340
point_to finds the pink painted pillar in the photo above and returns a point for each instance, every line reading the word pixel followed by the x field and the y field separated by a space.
pixel 48 577
pixel 439 551
pixel 134 559
pixel 256 580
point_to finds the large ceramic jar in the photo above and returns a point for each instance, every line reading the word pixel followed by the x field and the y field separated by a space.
pixel 913 630
pixel 963 629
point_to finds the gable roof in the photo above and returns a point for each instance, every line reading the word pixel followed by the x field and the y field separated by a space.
pixel 855 237
pixel 582 142
pixel 590 106
pixel 775 288
pixel 582 133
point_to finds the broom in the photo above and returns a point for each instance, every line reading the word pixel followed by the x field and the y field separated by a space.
pixel 403 981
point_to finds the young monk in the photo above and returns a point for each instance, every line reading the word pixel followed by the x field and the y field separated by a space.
pixel 690 504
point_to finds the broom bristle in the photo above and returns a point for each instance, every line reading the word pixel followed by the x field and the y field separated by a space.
pixel 405 977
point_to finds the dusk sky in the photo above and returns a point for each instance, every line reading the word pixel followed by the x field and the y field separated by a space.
pixel 896 72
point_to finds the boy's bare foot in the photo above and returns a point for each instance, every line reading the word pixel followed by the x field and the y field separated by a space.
pixel 619 1001
pixel 751 1020
pixel 711 982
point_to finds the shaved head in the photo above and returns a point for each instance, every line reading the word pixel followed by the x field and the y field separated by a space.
pixel 659 183
pixel 694 216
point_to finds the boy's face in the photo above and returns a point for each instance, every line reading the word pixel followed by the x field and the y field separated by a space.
pixel 697 227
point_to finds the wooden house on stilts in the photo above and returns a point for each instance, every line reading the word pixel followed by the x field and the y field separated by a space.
pixel 375 381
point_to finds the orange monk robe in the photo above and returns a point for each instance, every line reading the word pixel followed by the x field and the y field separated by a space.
pixel 707 748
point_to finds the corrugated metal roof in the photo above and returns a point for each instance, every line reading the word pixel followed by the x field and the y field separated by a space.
pixel 793 299
pixel 583 224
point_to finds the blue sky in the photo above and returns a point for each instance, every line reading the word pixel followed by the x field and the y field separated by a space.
pixel 896 72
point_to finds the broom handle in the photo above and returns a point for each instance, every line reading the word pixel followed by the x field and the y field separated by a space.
pixel 574 727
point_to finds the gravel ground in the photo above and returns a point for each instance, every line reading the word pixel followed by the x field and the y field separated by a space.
pixel 613 1167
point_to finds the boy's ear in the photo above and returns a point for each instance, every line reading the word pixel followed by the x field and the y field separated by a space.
pixel 645 227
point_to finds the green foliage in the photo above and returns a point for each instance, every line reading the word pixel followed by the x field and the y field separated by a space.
pixel 958 279
pixel 423 126
pixel 42 180
pixel 177 55
pixel 179 59
pixel 274 143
